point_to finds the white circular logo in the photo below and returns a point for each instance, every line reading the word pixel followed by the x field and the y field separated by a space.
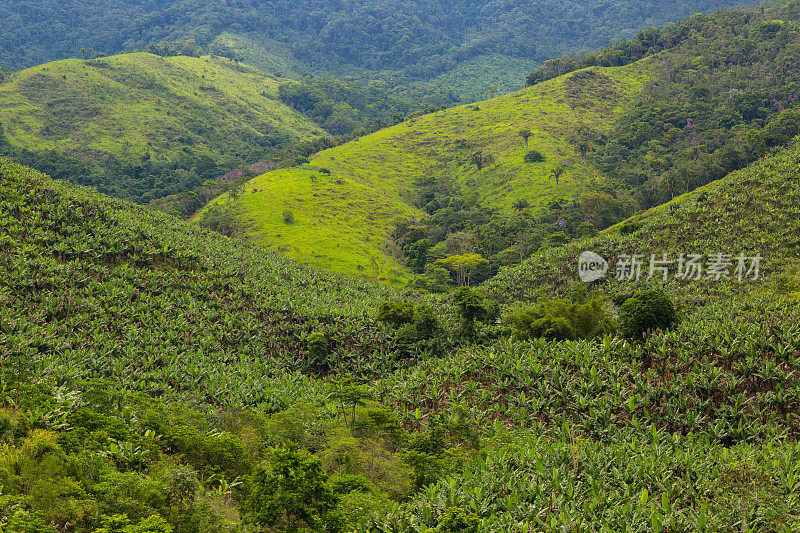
pixel 591 267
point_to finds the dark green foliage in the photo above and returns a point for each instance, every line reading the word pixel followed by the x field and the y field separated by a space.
pixel 424 326
pixel 534 156
pixel 557 238
pixel 347 483
pixel 561 320
pixel 413 323
pixel 644 312
pixel 407 38
pixel 471 307
pixel 396 313
pixel 587 229
pixel 290 492
pixel 211 454
pixel 288 216
pixel 318 346
pixel 344 107
pixel 629 228
pixel 717 104
pixel 461 225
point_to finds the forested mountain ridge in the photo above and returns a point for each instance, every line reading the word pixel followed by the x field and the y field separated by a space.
pixel 141 126
pixel 419 38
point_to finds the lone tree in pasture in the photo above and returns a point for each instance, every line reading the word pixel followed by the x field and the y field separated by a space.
pixel 480 160
pixel 525 134
pixel 558 172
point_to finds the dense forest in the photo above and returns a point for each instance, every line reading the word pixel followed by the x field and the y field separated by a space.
pixel 421 38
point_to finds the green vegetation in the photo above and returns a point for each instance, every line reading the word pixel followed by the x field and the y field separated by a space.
pixel 466 47
pixel 337 222
pixel 141 126
pixel 344 219
pixel 157 376
pixel 724 93
pixel 563 320
pixel 644 312
pixel 351 108
pixel 704 112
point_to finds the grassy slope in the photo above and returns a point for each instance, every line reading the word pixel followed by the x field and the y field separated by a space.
pixel 755 210
pixel 344 226
pixel 134 104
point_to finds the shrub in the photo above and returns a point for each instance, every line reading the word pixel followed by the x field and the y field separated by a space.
pixel 471 308
pixel 396 313
pixel 534 156
pixel 423 326
pixel 629 228
pixel 587 229
pixel 555 239
pixel 347 483
pixel 290 493
pixel 562 320
pixel 288 216
pixel 318 349
pixel 210 454
pixel 646 311
pixel 23 521
pixel 151 524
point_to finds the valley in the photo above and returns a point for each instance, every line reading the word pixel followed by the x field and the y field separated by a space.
pixel 399 267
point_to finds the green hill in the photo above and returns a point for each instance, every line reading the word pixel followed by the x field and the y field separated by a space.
pixel 605 142
pixel 149 367
pixel 751 211
pixel 400 41
pixel 343 219
pixel 134 120
pixel 127 293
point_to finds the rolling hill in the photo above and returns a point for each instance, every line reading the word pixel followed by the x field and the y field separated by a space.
pixel 751 211
pixel 140 353
pixel 400 41
pixel 137 109
pixel 345 201
pixel 121 290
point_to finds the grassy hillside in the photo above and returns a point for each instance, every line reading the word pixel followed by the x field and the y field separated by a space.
pixel 141 108
pixel 346 224
pixel 755 210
